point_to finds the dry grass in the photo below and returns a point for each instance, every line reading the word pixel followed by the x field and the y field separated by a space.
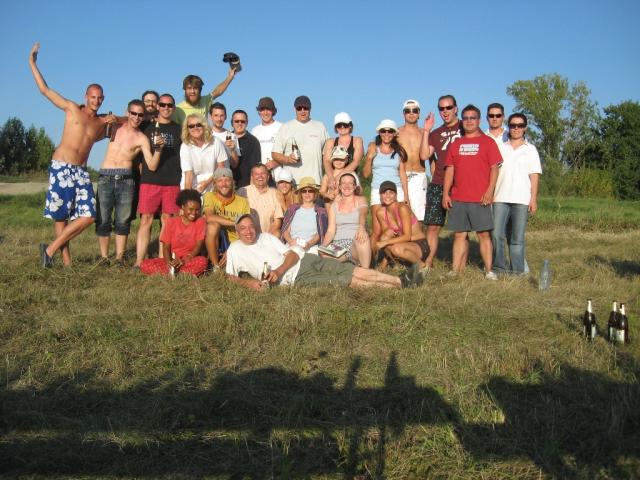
pixel 106 373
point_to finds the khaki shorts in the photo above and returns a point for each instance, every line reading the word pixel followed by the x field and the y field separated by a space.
pixel 315 270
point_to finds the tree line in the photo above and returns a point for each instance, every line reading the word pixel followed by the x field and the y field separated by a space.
pixel 24 150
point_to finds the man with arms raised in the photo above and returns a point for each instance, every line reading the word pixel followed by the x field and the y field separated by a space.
pixel 469 182
pixel 70 199
pixel 266 131
pixel 221 208
pixel 246 259
pixel 116 182
pixel 434 147
pixel 309 137
pixel 194 102
pixel 410 137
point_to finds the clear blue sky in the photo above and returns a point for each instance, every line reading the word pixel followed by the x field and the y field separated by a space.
pixel 365 58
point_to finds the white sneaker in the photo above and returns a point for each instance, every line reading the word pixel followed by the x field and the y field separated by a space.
pixel 490 276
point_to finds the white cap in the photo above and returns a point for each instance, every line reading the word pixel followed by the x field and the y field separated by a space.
pixel 342 117
pixel 339 153
pixel 283 175
pixel 387 124
pixel 410 103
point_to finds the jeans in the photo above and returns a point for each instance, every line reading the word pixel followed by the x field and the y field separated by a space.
pixel 519 215
pixel 114 193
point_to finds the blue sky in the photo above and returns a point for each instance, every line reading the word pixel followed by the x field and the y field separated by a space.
pixel 365 58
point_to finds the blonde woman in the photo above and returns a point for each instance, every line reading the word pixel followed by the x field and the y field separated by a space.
pixel 200 154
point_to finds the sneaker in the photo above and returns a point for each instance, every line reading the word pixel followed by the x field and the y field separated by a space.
pixel 491 276
pixel 452 273
pixel 46 260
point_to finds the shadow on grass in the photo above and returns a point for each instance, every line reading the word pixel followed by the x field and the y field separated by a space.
pixel 271 423
pixel 622 268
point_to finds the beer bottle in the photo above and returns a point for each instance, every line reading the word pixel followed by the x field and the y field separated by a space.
pixel 589 326
pixel 265 274
pixel 172 269
pixel 155 136
pixel 295 150
pixel 623 325
pixel 108 132
pixel 228 135
pixel 613 323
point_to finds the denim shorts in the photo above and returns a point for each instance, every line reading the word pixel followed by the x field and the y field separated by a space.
pixel 70 193
pixel 115 194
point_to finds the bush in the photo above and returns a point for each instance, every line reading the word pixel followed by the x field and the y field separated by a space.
pixel 588 183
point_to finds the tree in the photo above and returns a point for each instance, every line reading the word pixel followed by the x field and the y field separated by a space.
pixel 45 148
pixel 562 119
pixel 619 149
pixel 12 147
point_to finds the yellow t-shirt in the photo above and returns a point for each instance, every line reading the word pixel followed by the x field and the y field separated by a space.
pixel 239 206
pixel 184 109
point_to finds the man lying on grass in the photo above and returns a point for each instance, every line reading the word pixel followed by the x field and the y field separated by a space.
pixel 252 252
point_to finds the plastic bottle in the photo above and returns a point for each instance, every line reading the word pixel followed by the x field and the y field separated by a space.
pixel 545 277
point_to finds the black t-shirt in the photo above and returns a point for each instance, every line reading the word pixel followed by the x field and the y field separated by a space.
pixel 249 156
pixel 168 171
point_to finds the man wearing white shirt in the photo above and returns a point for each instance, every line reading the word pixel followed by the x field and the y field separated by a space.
pixel 218 115
pixel 495 119
pixel 309 136
pixel 267 130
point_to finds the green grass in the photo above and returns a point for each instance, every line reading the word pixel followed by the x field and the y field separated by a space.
pixel 25 177
pixel 109 374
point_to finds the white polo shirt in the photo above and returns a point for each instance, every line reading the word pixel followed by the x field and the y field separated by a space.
pixel 514 184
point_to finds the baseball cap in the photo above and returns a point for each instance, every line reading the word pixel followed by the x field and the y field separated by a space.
pixel 222 172
pixel 302 101
pixel 283 175
pixel 411 103
pixel 339 152
pixel 342 117
pixel 387 185
pixel 267 102
pixel 387 124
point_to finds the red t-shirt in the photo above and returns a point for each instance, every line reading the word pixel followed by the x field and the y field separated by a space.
pixel 440 139
pixel 472 158
pixel 183 237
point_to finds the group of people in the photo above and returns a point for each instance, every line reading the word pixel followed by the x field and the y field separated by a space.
pixel 258 204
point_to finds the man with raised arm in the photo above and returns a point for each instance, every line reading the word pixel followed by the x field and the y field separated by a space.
pixel 70 200
pixel 410 137
pixel 116 182
pixel 194 102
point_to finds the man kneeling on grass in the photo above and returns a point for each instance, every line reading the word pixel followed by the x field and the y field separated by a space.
pixel 248 256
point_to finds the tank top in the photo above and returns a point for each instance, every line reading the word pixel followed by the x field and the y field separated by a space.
pixel 350 149
pixel 385 168
pixel 347 224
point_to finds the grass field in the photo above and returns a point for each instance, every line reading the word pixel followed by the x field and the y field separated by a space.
pixel 109 374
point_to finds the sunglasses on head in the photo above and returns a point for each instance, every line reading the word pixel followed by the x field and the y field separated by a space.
pixel 494 115
pixel 513 126
pixel 137 114
pixel 446 107
pixel 411 110
pixel 165 105
pixel 302 107
pixel 195 125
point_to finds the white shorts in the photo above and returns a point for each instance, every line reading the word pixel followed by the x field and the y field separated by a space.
pixel 417 184
pixel 375 195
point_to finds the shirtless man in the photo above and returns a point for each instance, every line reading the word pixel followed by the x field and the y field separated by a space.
pixel 70 199
pixel 410 137
pixel 116 183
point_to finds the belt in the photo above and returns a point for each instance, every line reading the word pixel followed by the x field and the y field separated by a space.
pixel 118 177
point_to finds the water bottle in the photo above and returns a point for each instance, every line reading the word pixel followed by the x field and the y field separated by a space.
pixel 545 277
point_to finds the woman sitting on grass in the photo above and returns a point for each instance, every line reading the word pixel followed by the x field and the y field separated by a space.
pixel 305 224
pixel 182 239
pixel 402 238
pixel 285 187
pixel 347 220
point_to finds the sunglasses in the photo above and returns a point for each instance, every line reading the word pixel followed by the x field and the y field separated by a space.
pixel 411 110
pixel 307 190
pixel 195 125
pixel 469 119
pixel 446 107
pixel 386 130
pixel 513 126
pixel 239 121
pixel 137 114
pixel 494 115
pixel 302 107
pixel 343 125
pixel 165 105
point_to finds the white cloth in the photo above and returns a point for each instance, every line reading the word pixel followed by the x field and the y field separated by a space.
pixel 250 258
pixel 417 183
pixel 222 136
pixel 266 135
pixel 202 161
pixel 502 138
pixel 514 184
pixel 310 138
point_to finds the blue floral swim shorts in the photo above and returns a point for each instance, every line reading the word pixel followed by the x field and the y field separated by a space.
pixel 70 193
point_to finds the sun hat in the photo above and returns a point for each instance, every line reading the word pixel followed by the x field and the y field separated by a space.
pixel 267 102
pixel 306 182
pixel 387 124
